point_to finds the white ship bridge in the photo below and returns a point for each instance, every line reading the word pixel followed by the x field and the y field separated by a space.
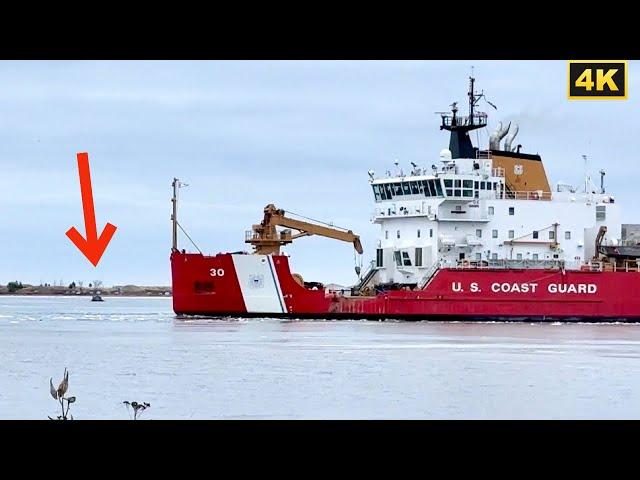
pixel 496 210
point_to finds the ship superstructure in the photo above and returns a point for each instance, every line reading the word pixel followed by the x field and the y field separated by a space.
pixel 490 208
pixel 478 234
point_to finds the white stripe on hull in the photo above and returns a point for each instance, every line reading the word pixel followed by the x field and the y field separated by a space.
pixel 259 283
pixel 277 283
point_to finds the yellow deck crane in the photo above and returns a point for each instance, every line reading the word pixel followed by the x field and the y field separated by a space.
pixel 266 239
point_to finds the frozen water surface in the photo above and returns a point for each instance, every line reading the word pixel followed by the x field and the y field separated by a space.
pixel 134 349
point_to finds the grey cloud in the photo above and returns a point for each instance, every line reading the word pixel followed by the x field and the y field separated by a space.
pixel 243 134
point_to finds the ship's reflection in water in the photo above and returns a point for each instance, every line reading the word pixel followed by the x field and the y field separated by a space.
pixel 127 348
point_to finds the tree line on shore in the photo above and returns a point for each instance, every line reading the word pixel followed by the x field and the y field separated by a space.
pixel 17 285
pixel 78 288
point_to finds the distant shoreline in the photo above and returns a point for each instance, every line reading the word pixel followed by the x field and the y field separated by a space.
pixel 57 291
pixel 88 297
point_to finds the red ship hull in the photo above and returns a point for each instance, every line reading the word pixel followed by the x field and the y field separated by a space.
pixel 230 285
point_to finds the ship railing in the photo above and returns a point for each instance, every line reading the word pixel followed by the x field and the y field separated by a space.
pixel 478 119
pixel 630 242
pixel 279 236
pixel 405 212
pixel 483 155
pixel 531 195
pixel 627 266
pixel 594 266
pixel 498 172
pixel 509 264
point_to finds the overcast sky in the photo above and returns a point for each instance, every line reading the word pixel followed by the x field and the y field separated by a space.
pixel 301 135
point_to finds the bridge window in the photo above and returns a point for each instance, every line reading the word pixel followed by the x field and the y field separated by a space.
pixel 418 233
pixel 398 233
pixel 448 185
pixel 519 256
pixel 388 191
pixel 426 189
pixel 601 213
pixel 379 257
pixel 535 235
pixel 467 188
pixel 512 210
pixel 431 233
pixel 494 233
pixel 479 233
pixel 535 257
pixel 397 188
pixel 386 234
pixel 567 235
pixel 418 257
pixel 552 235
pixel 438 188
pixel 406 260
pixel 511 234
pixel 414 188
pixel 376 193
pixel 491 210
pixel 432 188
pixel 397 258
pixel 406 188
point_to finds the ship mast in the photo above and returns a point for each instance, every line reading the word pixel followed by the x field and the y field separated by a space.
pixel 460 144
pixel 174 214
pixel 472 97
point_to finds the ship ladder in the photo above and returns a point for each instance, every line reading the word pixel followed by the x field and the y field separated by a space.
pixel 368 276
pixel 428 276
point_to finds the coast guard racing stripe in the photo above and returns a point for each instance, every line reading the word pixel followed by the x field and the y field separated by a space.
pixel 259 284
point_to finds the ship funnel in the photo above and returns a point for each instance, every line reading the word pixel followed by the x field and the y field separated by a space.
pixel 497 136
pixel 510 138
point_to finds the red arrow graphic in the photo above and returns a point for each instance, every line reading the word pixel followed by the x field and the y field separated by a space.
pixel 92 247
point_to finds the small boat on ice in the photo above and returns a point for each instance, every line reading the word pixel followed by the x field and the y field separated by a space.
pixel 97 298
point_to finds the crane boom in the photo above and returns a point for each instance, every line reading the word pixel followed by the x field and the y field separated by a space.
pixel 266 239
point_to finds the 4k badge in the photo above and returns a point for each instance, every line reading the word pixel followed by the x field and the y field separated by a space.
pixel 598 79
